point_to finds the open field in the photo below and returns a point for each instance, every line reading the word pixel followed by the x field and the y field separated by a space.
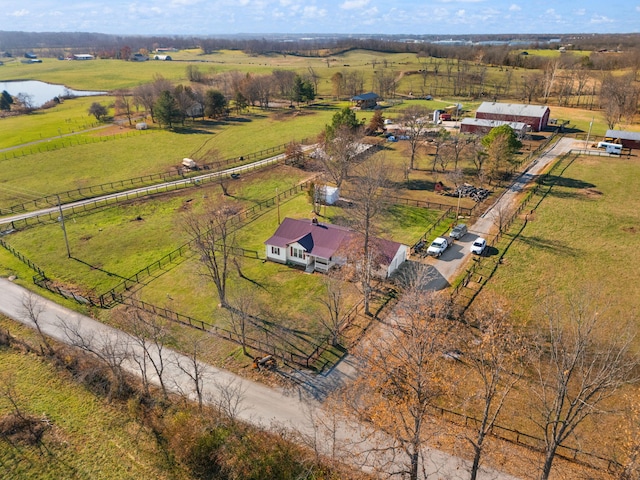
pixel 122 157
pixel 582 239
pixel 89 437
pixel 583 235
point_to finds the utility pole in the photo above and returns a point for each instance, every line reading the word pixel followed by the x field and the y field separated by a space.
pixel 586 142
pixel 278 204
pixel 64 230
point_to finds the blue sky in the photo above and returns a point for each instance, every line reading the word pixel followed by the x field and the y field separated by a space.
pixel 211 17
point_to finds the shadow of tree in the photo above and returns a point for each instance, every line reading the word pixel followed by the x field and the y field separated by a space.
pixel 549 245
pixel 558 181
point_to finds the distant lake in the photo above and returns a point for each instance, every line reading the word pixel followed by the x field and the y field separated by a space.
pixel 41 92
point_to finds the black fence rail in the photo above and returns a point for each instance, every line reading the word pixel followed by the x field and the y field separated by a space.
pixel 186 250
pixel 421 243
pixel 22 258
pixel 286 356
pixel 53 214
pixel 412 202
pixel 530 441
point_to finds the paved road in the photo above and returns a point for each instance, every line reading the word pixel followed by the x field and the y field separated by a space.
pixel 265 406
pixel 260 405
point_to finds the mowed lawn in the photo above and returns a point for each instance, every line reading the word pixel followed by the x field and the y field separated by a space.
pixel 584 236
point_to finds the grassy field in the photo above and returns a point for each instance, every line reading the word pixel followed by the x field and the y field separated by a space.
pixel 89 437
pixel 120 156
pixel 584 235
pixel 582 239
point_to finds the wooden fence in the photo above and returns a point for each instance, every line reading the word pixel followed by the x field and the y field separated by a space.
pixel 176 173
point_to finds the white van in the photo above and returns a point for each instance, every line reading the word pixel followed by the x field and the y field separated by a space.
pixel 611 147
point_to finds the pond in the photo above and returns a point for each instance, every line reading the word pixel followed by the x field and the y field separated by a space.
pixel 40 93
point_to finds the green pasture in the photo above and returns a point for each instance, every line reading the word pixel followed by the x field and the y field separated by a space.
pixel 89 438
pixel 120 157
pixel 68 117
pixel 584 237
pixel 116 242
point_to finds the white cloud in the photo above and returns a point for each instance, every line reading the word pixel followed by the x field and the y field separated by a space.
pixel 597 19
pixel 514 8
pixel 353 4
pixel 19 13
pixel 182 3
pixel 580 11
pixel 313 12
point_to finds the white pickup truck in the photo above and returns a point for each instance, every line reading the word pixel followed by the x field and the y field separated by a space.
pixel 438 246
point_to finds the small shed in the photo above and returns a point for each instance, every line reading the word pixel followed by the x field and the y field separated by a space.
pixel 142 126
pixel 366 100
pixel 189 163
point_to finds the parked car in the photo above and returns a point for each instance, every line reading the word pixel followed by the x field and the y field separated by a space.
pixel 438 246
pixel 478 246
pixel 458 231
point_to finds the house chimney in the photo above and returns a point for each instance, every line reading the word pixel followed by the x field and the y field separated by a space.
pixel 314 220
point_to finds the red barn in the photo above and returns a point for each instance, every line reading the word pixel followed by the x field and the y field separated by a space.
pixel 623 137
pixel 536 116
pixel 480 126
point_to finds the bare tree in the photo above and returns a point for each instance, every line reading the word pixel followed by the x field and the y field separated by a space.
pixel 124 104
pixel 241 309
pixel 551 70
pixel 619 97
pixel 333 299
pixel 111 348
pixel 402 376
pixel 151 334
pixel 340 153
pixel 31 311
pixel 230 395
pixel 193 368
pixel 18 425
pixel 580 361
pixel 369 200
pixel 144 96
pixel 415 120
pixel 495 353
pixel 213 239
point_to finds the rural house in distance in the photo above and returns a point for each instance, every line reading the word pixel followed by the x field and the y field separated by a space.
pixel 316 246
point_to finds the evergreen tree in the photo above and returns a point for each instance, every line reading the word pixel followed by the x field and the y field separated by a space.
pixel 344 118
pixel 215 104
pixel 166 109
pixel 5 101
